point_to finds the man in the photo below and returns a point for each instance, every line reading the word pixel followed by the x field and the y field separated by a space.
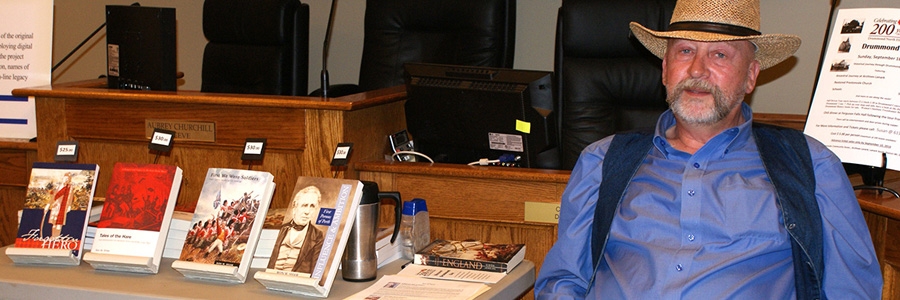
pixel 710 205
pixel 299 241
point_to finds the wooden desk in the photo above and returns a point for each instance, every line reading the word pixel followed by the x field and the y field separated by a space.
pixel 882 213
pixel 486 203
pixel 83 282
pixel 302 132
pixel 16 157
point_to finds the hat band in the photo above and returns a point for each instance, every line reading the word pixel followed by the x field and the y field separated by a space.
pixel 712 28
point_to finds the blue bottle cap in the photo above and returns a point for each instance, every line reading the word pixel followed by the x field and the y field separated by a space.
pixel 414 206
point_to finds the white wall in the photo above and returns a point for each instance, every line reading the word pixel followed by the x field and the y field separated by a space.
pixel 786 88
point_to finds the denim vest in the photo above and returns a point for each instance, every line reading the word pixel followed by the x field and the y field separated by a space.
pixel 788 164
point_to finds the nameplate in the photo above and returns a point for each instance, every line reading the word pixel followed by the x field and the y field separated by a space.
pixel 184 130
pixel 542 212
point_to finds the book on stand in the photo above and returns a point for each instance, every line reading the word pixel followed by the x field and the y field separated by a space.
pixel 311 240
pixel 133 226
pixel 471 255
pixel 225 229
pixel 53 224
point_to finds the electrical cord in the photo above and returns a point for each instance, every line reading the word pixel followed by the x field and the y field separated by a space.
pixel 394 156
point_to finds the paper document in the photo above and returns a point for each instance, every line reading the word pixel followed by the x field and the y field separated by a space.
pixel 855 110
pixel 391 287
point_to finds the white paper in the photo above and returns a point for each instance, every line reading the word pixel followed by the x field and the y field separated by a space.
pixel 25 52
pixel 392 287
pixel 856 107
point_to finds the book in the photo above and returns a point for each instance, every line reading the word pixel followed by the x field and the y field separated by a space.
pixel 854 106
pixel 224 231
pixel 312 237
pixel 53 223
pixel 471 255
pixel 136 217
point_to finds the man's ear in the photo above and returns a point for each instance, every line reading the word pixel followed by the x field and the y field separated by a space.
pixel 752 74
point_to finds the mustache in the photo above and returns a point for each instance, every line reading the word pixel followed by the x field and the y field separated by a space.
pixel 697 85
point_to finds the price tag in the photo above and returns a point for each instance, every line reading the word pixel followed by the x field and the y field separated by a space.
pixel 254 148
pixel 341 154
pixel 161 140
pixel 66 151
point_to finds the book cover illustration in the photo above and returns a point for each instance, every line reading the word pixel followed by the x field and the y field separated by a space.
pixel 472 255
pixel 312 236
pixel 222 224
pixel 139 203
pixel 57 202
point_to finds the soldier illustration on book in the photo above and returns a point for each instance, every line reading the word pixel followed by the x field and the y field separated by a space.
pixel 59 206
pixel 299 241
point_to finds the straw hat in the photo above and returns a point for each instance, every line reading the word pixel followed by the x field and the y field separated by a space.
pixel 719 20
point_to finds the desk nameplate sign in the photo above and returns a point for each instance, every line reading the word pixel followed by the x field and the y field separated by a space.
pixel 184 130
pixel 542 212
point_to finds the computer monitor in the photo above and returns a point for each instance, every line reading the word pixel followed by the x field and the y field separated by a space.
pixel 462 114
pixel 140 48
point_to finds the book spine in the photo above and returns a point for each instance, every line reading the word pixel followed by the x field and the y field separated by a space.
pixel 467 264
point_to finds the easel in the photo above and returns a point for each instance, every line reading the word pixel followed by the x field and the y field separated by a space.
pixel 873 177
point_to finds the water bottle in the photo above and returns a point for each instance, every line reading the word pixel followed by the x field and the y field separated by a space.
pixel 415 231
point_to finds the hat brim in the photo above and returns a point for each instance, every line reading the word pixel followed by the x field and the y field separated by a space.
pixel 771 48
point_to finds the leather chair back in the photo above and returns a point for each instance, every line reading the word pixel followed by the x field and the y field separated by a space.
pixel 606 81
pixel 455 32
pixel 256 47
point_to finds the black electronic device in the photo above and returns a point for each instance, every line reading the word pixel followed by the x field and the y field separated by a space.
pixel 463 114
pixel 140 48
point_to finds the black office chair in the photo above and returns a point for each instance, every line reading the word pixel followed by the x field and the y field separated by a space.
pixel 454 32
pixel 606 80
pixel 256 47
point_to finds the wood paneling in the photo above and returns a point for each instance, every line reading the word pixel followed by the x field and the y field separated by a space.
pixel 16 158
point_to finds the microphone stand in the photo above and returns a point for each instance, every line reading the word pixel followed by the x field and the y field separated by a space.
pixel 83 42
pixel 324 75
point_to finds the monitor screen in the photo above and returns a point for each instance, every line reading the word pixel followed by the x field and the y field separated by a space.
pixel 140 48
pixel 462 114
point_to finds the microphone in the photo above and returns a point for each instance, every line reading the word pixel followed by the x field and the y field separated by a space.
pixel 330 26
pixel 83 42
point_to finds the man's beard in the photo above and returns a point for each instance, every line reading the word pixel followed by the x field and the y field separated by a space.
pixel 721 107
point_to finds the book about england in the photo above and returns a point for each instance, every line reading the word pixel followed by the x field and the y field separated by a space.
pixel 471 255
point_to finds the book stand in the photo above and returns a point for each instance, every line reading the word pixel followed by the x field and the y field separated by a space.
pixel 122 263
pixel 42 256
pixel 293 284
pixel 873 177
pixel 201 271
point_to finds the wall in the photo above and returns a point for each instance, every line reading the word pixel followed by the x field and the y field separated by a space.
pixel 786 88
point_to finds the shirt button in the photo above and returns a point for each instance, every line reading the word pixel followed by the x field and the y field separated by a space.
pixel 690 237
pixel 691 193
pixel 679 268
pixel 696 165
pixel 791 226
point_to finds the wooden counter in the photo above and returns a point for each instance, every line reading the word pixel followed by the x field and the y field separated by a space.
pixel 16 157
pixel 301 132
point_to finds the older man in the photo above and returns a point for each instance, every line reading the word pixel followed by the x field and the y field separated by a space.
pixel 710 205
pixel 299 242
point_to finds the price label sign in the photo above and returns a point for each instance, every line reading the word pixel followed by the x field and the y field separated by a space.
pixel 341 154
pixel 66 151
pixel 254 148
pixel 161 140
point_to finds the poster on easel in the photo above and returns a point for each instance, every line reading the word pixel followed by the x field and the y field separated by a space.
pixel 26 40
pixel 855 109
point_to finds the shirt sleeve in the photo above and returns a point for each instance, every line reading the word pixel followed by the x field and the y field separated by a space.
pixel 851 267
pixel 567 269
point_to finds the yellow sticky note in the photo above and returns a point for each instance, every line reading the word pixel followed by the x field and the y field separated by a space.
pixel 523 126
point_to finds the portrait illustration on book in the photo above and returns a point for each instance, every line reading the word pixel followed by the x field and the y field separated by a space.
pixel 56 204
pixel 221 226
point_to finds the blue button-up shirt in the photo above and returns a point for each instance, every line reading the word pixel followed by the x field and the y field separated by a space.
pixel 704 226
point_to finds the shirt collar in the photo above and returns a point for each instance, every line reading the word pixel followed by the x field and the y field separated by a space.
pixel 725 141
